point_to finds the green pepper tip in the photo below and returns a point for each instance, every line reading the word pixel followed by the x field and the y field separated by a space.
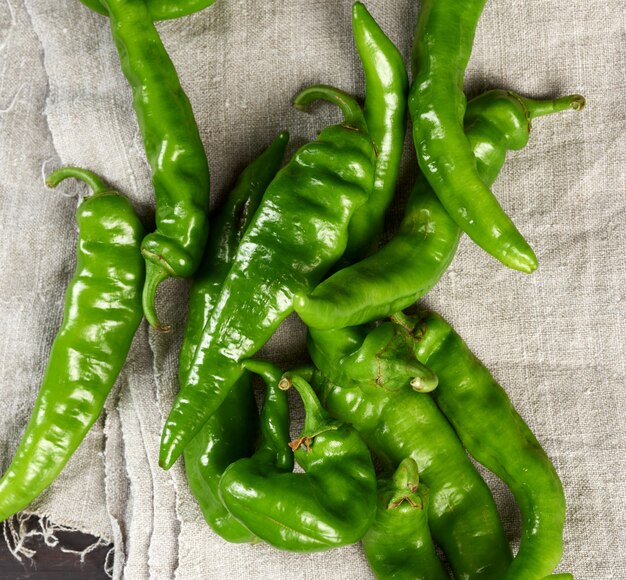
pixel 166 459
pixel 522 259
pixel 359 9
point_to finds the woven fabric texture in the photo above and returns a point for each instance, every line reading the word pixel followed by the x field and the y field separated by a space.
pixel 555 340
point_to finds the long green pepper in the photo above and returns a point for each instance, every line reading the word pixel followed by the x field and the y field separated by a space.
pixel 180 172
pixel 101 314
pixel 442 46
pixel 412 263
pixel 386 88
pixel 228 228
pixel 494 433
pixel 296 235
pixel 231 432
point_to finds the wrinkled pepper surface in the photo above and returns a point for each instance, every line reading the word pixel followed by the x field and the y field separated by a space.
pixel 101 314
pixel 497 437
pixel 296 235
pixel 402 423
pixel 331 504
pixel 180 171
pixel 232 431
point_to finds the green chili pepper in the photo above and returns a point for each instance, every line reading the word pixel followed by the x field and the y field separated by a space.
pixel 101 314
pixel 386 87
pixel 399 544
pixel 227 436
pixel 231 432
pixel 231 435
pixel 297 234
pixel 442 47
pixel 462 513
pixel 331 504
pixel 410 265
pixel 227 230
pixel 180 172
pixel 160 9
pixel 493 432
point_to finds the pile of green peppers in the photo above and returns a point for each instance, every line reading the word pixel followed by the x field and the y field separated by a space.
pixel 395 402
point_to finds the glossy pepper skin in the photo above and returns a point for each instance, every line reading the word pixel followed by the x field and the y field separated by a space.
pixel 160 9
pixel 180 172
pixel 296 235
pixel 101 314
pixel 442 46
pixel 412 263
pixel 399 545
pixel 231 432
pixel 331 504
pixel 462 513
pixel 386 88
pixel 228 228
pixel 493 432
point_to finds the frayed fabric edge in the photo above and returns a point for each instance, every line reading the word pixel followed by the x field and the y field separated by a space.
pixel 20 527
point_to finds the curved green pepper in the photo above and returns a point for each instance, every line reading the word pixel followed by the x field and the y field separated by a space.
pixel 410 265
pixel 175 153
pixel 442 47
pixel 399 544
pixel 297 234
pixel 443 43
pixel 101 314
pixel 228 441
pixel 231 432
pixel 462 513
pixel 227 436
pixel 331 504
pixel 159 9
pixel 386 87
pixel 493 432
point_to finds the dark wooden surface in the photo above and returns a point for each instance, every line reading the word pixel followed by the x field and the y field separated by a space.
pixel 50 563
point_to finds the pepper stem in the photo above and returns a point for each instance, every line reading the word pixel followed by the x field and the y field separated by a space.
pixel 155 274
pixel 404 485
pixel 273 444
pixel 269 372
pixel 316 419
pixel 540 108
pixel 401 319
pixel 352 112
pixel 95 182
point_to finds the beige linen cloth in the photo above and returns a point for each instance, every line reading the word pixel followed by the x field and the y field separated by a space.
pixel 555 339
